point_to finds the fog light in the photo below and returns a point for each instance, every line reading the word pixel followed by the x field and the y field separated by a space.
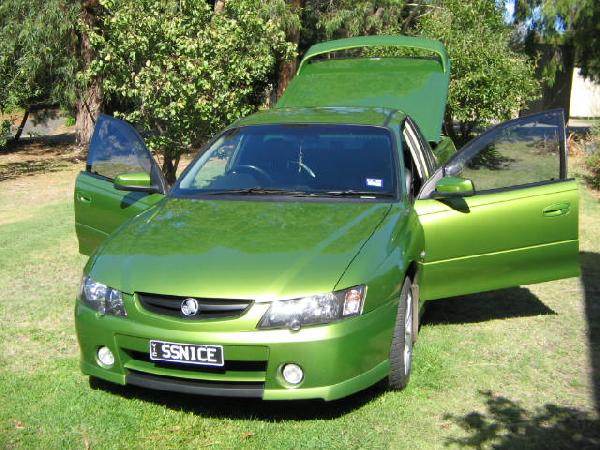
pixel 106 357
pixel 292 373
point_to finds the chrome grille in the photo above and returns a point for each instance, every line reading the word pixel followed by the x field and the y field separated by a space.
pixel 170 305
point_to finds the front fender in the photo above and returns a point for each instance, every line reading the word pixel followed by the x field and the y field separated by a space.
pixel 384 260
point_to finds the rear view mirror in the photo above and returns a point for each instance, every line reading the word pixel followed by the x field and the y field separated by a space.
pixel 135 182
pixel 449 187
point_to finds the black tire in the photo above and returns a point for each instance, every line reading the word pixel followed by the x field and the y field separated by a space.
pixel 400 366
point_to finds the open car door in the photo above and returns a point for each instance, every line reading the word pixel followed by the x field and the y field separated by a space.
pixel 501 212
pixel 101 204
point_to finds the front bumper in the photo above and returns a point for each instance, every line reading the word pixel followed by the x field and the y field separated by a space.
pixel 338 359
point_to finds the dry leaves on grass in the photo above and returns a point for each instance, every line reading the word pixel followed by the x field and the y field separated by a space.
pixel 86 442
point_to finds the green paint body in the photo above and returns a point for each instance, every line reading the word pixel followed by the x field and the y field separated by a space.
pixel 136 179
pixel 454 186
pixel 264 250
pixel 416 86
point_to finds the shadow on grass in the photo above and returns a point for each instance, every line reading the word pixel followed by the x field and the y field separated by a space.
pixel 590 278
pixel 238 408
pixel 31 156
pixel 46 140
pixel 502 304
pixel 15 170
pixel 507 425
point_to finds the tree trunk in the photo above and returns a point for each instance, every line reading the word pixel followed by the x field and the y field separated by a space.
pixel 169 167
pixel 21 126
pixel 287 69
pixel 219 6
pixel 449 126
pixel 89 103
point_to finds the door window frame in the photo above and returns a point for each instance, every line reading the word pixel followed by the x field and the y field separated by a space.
pixel 411 138
pixel 156 175
pixel 455 164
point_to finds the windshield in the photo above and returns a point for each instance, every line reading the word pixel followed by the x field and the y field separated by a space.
pixel 314 160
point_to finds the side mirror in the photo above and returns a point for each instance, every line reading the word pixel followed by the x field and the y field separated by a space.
pixel 135 182
pixel 449 187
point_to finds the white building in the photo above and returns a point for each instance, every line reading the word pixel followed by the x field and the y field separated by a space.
pixel 585 97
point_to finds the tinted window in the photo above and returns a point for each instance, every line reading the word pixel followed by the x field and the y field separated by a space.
pixel 116 148
pixel 314 159
pixel 524 151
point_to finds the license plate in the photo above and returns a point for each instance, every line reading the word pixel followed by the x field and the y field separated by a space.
pixel 204 355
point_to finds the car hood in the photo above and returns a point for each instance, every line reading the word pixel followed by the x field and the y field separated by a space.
pixel 252 249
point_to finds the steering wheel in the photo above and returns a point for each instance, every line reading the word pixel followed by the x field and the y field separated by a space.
pixel 254 170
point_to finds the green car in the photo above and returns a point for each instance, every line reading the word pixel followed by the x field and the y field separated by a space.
pixel 293 256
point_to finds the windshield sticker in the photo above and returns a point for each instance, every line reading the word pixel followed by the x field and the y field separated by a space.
pixel 375 182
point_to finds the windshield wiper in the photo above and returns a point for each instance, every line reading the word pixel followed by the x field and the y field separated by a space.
pixel 274 191
pixel 259 191
pixel 352 193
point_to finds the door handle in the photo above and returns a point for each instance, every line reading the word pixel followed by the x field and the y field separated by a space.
pixel 557 209
pixel 83 198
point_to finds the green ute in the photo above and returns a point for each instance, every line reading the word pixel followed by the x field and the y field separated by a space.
pixel 293 256
pixel 415 85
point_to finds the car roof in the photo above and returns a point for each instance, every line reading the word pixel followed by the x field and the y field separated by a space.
pixel 382 117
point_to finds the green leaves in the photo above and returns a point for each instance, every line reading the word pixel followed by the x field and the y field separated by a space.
pixel 489 82
pixel 586 39
pixel 326 19
pixel 181 72
pixel 5 131
pixel 37 59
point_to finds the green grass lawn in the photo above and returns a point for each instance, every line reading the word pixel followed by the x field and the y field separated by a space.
pixel 517 368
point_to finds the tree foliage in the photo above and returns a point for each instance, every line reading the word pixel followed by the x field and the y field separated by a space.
pixel 586 38
pixel 571 23
pixel 550 19
pixel 180 71
pixel 489 82
pixel 326 19
pixel 37 59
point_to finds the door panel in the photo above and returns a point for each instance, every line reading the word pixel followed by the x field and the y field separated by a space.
pixel 498 240
pixel 100 208
pixel 504 235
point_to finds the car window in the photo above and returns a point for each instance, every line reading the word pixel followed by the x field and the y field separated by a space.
pixel 520 153
pixel 412 143
pixel 307 158
pixel 216 161
pixel 116 148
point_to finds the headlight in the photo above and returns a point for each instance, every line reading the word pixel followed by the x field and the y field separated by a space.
pixel 313 310
pixel 100 297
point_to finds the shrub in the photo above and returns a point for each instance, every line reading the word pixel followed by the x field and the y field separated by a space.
pixel 5 132
pixel 595 133
pixel 592 162
pixel 69 121
pixel 593 166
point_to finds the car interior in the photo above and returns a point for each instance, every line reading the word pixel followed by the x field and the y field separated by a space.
pixel 357 163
